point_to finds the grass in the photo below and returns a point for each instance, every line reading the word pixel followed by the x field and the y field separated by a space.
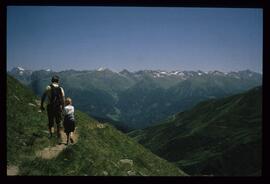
pixel 98 152
pixel 216 137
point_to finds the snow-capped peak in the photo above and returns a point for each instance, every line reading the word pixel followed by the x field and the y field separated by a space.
pixel 20 71
pixel 48 70
pixel 181 74
pixel 215 72
pixel 20 68
pixel 101 69
pixel 159 73
pixel 199 72
pixel 174 72
pixel 163 72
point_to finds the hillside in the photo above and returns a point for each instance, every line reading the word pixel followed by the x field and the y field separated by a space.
pixel 101 150
pixel 216 137
pixel 143 98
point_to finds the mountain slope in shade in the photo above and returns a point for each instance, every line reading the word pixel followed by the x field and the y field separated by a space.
pixel 100 150
pixel 216 137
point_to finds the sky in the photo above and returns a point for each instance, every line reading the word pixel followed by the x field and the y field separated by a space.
pixel 134 38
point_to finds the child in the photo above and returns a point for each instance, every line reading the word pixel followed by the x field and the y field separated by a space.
pixel 69 120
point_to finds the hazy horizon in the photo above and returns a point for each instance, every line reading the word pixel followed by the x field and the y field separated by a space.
pixel 134 38
pixel 92 69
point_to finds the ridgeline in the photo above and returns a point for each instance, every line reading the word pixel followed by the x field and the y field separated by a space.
pixel 220 137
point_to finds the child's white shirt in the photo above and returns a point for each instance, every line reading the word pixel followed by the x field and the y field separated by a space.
pixel 69 111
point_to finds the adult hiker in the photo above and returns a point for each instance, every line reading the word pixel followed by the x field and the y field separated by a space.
pixel 55 106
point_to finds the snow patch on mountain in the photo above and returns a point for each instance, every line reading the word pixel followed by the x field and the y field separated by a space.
pixel 20 68
pixel 181 74
pixel 101 69
pixel 174 73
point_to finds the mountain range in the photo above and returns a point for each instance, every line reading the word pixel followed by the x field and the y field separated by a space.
pixel 143 98
pixel 220 137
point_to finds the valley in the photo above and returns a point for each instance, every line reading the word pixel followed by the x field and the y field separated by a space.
pixel 143 98
pixel 217 137
pixel 212 133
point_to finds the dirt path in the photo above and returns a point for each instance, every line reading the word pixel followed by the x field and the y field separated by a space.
pixel 12 170
pixel 46 153
pixel 52 152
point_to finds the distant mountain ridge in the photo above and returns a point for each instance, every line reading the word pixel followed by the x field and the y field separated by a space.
pixel 21 74
pixel 154 73
pixel 142 98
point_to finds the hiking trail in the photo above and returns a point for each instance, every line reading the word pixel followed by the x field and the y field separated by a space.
pixel 53 151
pixel 12 170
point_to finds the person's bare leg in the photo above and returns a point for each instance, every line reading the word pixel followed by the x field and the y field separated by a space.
pixel 68 136
pixel 71 137
pixel 60 129
pixel 51 130
pixel 59 138
pixel 60 132
pixel 50 121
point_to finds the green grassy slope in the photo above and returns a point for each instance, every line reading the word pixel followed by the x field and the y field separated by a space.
pixel 216 137
pixel 25 126
pixel 99 151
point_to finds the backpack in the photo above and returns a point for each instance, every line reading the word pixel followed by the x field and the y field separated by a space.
pixel 56 98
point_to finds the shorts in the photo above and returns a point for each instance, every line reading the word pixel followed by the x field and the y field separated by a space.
pixel 69 125
pixel 54 117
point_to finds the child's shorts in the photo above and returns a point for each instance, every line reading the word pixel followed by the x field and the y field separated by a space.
pixel 69 125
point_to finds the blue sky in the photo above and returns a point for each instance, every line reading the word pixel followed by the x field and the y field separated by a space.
pixel 134 38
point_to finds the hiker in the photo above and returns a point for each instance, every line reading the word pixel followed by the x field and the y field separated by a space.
pixel 69 120
pixel 55 106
